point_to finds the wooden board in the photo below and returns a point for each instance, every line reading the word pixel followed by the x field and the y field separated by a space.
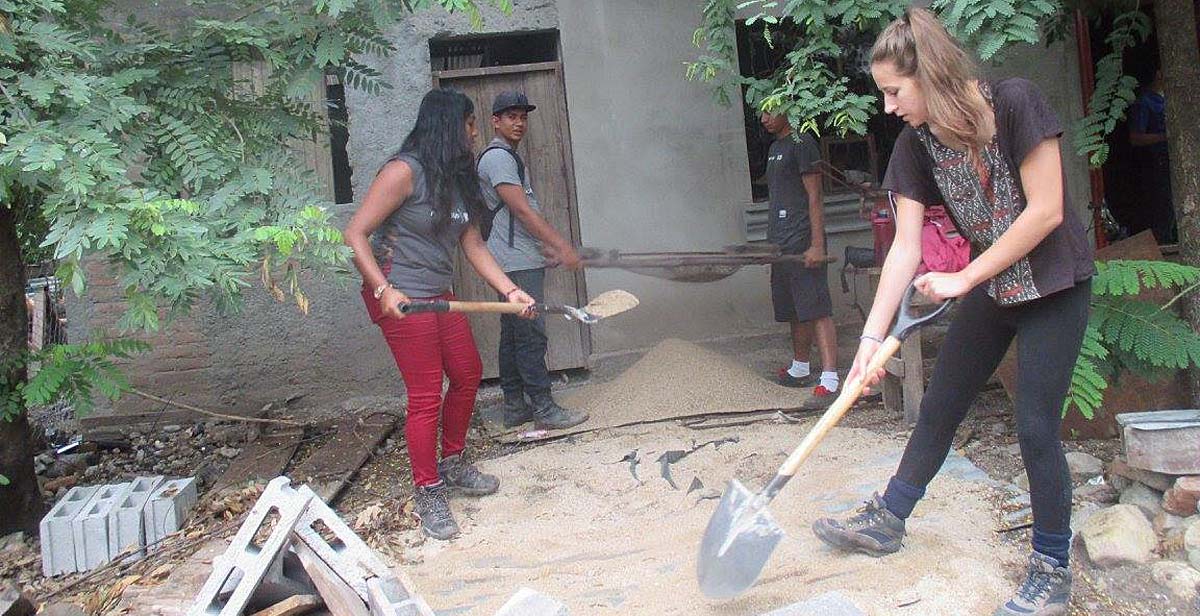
pixel 329 469
pixel 262 460
pixel 339 597
pixel 293 606
pixel 546 151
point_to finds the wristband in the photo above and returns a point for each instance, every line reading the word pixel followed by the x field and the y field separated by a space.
pixel 870 337
pixel 380 289
pixel 511 291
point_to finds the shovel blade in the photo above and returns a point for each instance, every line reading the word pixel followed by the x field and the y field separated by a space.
pixel 737 544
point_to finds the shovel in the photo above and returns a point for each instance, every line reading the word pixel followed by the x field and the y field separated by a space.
pixel 605 305
pixel 742 533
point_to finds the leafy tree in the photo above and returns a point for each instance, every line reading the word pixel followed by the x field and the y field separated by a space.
pixel 149 149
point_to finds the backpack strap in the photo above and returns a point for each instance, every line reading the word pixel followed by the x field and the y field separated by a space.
pixel 520 174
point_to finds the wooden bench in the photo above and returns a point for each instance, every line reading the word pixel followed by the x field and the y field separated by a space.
pixel 904 386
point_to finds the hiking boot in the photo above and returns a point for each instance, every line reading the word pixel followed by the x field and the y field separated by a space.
pixel 873 530
pixel 1045 591
pixel 548 415
pixel 785 378
pixel 516 411
pixel 432 509
pixel 459 474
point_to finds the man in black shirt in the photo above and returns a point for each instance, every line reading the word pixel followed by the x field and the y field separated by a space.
pixel 800 291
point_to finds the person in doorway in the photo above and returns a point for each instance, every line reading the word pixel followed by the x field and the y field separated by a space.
pixel 519 236
pixel 1148 136
pixel 423 204
pixel 796 223
pixel 990 152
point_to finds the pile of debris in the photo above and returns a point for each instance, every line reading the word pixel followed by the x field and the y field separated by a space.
pixel 1157 513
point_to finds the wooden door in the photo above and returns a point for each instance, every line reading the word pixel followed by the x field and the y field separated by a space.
pixel 546 150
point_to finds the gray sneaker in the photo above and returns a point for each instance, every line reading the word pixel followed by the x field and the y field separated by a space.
pixel 459 474
pixel 873 530
pixel 516 411
pixel 548 415
pixel 434 512
pixel 1045 591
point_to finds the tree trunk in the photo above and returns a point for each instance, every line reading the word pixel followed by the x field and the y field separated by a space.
pixel 1175 25
pixel 22 499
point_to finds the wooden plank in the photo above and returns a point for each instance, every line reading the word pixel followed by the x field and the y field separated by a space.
pixel 339 597
pixel 293 606
pixel 914 376
pixel 329 469
pixel 262 460
pixel 131 421
pixel 489 71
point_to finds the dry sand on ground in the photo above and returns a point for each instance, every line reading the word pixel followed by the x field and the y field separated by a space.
pixel 571 520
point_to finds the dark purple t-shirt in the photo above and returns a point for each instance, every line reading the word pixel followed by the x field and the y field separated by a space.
pixel 985 205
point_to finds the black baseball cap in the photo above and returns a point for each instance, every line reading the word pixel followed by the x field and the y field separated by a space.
pixel 511 100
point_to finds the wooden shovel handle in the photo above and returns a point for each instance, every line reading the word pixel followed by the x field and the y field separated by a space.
pixel 851 390
pixel 457 306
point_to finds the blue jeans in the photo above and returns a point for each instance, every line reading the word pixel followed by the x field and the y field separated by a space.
pixel 523 343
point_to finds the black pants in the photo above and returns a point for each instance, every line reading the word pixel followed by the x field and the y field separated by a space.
pixel 1049 332
pixel 523 342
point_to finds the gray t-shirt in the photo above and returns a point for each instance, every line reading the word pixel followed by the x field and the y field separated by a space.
pixel 498 167
pixel 418 258
pixel 788 160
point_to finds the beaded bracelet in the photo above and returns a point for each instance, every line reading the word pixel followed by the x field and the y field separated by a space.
pixel 870 337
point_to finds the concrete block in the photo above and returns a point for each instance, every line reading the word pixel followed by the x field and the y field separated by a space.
pixel 351 558
pixel 90 526
pixel 58 542
pixel 831 603
pixel 167 508
pixel 126 525
pixel 388 597
pixel 244 556
pixel 529 602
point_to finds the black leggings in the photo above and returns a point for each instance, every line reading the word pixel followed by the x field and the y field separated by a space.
pixel 1049 332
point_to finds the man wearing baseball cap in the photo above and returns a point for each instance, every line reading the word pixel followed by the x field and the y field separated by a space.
pixel 520 236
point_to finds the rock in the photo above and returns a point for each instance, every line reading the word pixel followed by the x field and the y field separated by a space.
pixel 62 609
pixel 1013 450
pixel 1147 499
pixel 1083 465
pixel 1018 517
pixel 998 428
pixel 12 542
pixel 1120 482
pixel 1118 535
pixel 171 429
pixel 1022 481
pixel 1178 578
pixel 1191 537
pixel 1080 514
pixel 1165 522
pixel 159 445
pixel 54 485
pixel 229 452
pixel 1194 559
pixel 1020 500
pixel 1184 497
pixel 529 602
pixel 831 603
pixel 1102 493
pixel 13 602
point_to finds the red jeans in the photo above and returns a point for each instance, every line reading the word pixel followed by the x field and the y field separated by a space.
pixel 427 346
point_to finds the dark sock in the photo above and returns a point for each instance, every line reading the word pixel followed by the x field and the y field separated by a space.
pixel 901 496
pixel 1054 545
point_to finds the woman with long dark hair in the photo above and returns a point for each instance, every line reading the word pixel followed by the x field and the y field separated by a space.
pixel 989 151
pixel 424 204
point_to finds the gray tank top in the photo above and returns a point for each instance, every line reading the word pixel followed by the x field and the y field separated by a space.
pixel 421 259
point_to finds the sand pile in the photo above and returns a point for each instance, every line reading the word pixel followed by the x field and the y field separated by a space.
pixel 594 523
pixel 680 379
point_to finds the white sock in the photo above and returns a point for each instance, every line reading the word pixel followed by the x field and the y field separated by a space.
pixel 799 369
pixel 829 380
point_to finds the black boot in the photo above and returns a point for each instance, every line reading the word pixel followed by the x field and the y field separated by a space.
pixel 548 415
pixel 434 512
pixel 516 411
pixel 461 475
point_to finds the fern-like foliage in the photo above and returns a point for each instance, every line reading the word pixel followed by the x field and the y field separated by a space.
pixel 70 372
pixel 1114 90
pixel 1125 333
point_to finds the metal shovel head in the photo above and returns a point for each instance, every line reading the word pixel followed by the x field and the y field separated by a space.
pixel 737 544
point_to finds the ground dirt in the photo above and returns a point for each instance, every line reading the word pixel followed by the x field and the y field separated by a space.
pixel 572 520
